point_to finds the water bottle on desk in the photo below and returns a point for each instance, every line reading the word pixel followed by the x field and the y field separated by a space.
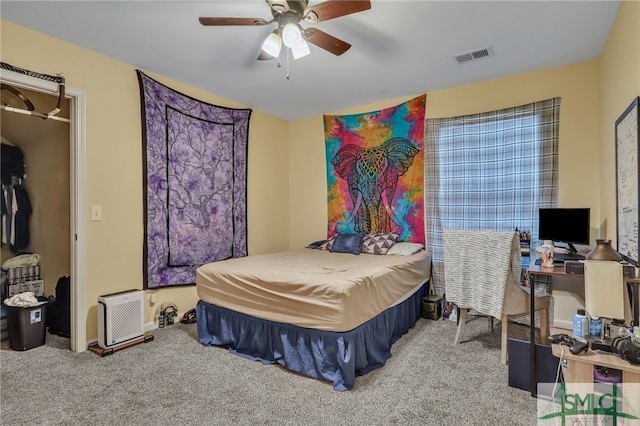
pixel 580 324
pixel 595 326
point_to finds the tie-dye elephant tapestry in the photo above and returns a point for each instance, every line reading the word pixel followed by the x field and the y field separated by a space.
pixel 375 170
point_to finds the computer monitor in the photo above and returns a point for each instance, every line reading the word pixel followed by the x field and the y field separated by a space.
pixel 564 225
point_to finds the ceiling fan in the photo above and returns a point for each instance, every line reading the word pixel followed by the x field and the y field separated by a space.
pixel 288 14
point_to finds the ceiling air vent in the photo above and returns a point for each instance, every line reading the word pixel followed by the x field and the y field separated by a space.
pixel 476 54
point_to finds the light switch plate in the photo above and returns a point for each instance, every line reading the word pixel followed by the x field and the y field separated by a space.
pixel 96 213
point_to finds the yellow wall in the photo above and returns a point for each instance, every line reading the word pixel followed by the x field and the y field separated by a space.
pixel 619 85
pixel 287 174
pixel 578 150
pixel 578 146
pixel 594 94
pixel 114 164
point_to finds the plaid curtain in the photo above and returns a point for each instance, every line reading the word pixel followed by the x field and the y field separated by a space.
pixel 489 171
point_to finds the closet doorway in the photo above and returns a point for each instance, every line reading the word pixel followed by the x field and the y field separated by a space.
pixel 54 154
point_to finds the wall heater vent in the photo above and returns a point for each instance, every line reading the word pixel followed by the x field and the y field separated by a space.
pixel 120 318
pixel 476 54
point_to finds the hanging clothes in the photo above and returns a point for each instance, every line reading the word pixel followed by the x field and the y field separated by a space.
pixel 16 206
pixel 22 236
pixel 12 163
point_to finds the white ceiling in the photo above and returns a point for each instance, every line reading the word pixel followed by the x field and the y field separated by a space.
pixel 399 48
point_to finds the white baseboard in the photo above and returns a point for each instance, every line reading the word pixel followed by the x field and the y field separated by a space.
pixel 563 324
pixel 154 325
pixel 91 342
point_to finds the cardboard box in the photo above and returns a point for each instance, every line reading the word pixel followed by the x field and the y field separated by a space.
pixel 36 286
pixel 17 289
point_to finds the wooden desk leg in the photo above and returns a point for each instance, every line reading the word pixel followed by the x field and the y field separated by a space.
pixel 578 380
pixel 577 372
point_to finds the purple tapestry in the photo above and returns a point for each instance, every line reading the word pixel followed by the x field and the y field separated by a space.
pixel 195 183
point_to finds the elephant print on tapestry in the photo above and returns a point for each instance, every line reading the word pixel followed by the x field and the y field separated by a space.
pixel 375 171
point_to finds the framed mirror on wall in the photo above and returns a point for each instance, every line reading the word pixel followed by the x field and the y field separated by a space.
pixel 627 139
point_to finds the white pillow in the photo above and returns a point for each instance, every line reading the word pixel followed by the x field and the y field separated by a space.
pixel 405 249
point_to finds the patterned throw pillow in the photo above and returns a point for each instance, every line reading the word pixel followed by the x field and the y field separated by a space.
pixel 327 244
pixel 317 245
pixel 378 243
pixel 405 249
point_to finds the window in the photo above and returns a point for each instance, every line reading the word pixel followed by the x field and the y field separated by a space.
pixel 489 171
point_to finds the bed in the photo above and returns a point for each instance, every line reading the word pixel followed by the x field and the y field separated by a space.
pixel 329 316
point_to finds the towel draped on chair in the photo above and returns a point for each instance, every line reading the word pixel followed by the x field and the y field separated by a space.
pixel 479 282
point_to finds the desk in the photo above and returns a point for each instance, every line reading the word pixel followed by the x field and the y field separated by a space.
pixel 538 270
pixel 633 287
pixel 555 271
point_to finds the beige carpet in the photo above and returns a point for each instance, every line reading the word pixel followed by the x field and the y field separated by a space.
pixel 176 380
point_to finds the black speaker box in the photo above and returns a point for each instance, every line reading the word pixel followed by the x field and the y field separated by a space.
pixel 573 267
pixel 577 267
pixel 628 270
pixel 519 365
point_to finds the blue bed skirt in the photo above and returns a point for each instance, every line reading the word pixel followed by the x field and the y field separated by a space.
pixel 337 357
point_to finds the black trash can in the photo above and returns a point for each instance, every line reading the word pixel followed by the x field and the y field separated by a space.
pixel 26 325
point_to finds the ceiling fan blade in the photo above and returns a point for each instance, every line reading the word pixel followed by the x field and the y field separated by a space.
pixel 213 21
pixel 331 9
pixel 326 41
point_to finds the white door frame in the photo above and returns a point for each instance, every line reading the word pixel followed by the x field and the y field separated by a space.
pixel 77 189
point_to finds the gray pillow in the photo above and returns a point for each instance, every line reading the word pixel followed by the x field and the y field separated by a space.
pixel 317 244
pixel 405 249
pixel 347 243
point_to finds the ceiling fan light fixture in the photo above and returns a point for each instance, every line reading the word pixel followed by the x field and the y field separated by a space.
pixel 291 35
pixel 287 15
pixel 272 44
pixel 300 50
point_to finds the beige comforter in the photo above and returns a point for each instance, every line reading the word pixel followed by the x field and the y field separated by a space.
pixel 313 288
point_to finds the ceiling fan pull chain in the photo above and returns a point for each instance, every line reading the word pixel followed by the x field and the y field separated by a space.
pixel 288 62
